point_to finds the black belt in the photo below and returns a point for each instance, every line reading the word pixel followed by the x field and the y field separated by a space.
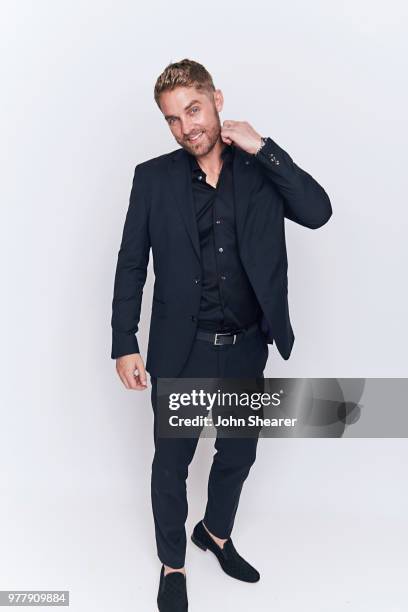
pixel 230 337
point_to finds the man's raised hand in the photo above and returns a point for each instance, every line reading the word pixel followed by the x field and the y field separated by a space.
pixel 241 134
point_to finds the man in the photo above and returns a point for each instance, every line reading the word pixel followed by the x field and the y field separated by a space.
pixel 213 214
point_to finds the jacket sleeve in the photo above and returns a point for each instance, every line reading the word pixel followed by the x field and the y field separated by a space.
pixel 131 272
pixel 305 201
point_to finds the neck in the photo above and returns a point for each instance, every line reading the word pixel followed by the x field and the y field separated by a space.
pixel 211 163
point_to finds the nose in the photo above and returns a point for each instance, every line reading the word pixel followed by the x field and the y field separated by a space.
pixel 188 127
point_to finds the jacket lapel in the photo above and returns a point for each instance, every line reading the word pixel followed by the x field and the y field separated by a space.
pixel 182 191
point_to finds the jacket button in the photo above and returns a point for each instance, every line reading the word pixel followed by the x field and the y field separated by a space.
pixel 197 281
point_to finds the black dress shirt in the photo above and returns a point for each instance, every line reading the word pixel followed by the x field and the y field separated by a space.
pixel 228 301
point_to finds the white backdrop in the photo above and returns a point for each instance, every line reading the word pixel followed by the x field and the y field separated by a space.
pixel 323 520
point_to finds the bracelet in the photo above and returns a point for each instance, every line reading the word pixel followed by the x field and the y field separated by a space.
pixel 263 143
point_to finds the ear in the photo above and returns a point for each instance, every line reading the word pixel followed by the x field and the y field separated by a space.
pixel 218 100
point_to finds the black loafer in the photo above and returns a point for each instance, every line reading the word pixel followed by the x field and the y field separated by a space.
pixel 231 562
pixel 172 595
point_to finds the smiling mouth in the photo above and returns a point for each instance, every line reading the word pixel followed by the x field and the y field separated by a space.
pixel 195 138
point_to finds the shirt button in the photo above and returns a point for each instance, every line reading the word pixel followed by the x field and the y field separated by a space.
pixel 221 250
pixel 199 177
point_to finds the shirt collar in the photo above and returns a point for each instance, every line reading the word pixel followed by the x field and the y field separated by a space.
pixel 226 156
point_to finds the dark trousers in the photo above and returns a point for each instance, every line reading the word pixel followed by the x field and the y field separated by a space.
pixel 232 460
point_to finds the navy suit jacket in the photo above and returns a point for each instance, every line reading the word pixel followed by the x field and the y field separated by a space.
pixel 161 219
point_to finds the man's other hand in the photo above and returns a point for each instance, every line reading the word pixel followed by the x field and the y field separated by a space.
pixel 132 371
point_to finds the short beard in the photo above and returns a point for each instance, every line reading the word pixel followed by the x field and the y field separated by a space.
pixel 212 135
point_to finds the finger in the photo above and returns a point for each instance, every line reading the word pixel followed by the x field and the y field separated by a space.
pixel 130 379
pixel 139 385
pixel 229 133
pixel 142 373
pixel 123 379
pixel 139 381
pixel 140 377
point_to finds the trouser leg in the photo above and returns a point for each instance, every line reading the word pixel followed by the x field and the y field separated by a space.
pixel 230 468
pixel 234 456
pixel 171 459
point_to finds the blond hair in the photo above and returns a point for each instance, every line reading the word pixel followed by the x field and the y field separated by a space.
pixel 186 73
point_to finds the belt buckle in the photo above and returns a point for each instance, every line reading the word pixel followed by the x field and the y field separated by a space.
pixel 223 334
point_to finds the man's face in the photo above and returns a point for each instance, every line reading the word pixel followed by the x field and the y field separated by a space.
pixel 193 117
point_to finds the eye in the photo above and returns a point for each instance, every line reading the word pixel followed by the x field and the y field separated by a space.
pixel 194 109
